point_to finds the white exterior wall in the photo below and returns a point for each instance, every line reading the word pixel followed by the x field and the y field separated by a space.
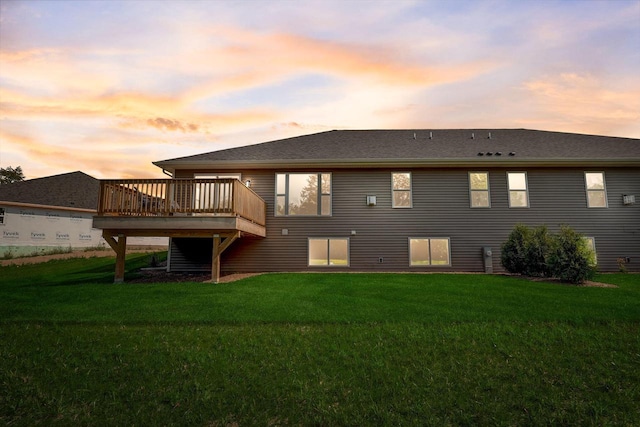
pixel 28 229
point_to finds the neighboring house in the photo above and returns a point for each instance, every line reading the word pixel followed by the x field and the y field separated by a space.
pixel 384 200
pixel 40 215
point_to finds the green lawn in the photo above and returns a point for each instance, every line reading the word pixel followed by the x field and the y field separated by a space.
pixel 315 349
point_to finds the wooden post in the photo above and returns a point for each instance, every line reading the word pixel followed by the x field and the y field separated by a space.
pixel 215 261
pixel 120 248
pixel 120 258
pixel 218 247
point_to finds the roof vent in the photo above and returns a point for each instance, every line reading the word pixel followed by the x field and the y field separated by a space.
pixel 430 135
pixel 513 153
pixel 481 153
pixel 489 153
pixel 473 136
pixel 414 135
pixel 498 153
pixel 489 135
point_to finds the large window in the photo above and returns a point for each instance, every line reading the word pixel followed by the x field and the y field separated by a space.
pixel 518 193
pixel 596 192
pixel 429 251
pixel 303 194
pixel 401 189
pixel 332 252
pixel 479 189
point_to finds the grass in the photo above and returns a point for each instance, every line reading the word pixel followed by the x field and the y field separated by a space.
pixel 315 349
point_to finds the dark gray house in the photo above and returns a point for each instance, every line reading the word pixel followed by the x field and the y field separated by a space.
pixel 383 200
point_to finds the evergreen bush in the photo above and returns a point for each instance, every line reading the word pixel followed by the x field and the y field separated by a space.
pixel 570 258
pixel 536 252
pixel 513 253
pixel 525 251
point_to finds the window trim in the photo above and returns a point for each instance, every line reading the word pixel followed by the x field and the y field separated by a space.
pixel 604 190
pixel 448 239
pixel 328 240
pixel 319 196
pixel 471 191
pixel 410 191
pixel 526 189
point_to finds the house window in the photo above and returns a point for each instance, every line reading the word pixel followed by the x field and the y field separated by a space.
pixel 213 196
pixel 331 252
pixel 1 216
pixel 591 244
pixel 596 192
pixel 479 189
pixel 303 194
pixel 429 251
pixel 518 194
pixel 401 186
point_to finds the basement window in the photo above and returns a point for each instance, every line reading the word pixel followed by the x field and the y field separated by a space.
pixel 329 252
pixel 591 244
pixel 424 251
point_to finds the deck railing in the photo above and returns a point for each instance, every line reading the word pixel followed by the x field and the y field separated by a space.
pixel 171 197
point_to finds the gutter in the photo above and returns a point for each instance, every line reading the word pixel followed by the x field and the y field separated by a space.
pixel 394 163
pixel 36 206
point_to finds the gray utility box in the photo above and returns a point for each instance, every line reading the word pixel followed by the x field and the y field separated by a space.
pixel 487 256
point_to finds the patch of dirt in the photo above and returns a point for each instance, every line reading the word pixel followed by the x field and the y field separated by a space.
pixel 237 276
pixel 587 284
pixel 162 276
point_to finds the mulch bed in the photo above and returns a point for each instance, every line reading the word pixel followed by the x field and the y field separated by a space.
pixel 587 284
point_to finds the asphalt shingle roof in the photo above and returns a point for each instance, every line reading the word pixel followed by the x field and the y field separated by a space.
pixel 71 190
pixel 422 145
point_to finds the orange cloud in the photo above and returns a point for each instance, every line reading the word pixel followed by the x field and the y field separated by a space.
pixel 582 101
pixel 53 72
pixel 172 125
pixel 100 159
pixel 131 110
pixel 249 59
pixel 68 85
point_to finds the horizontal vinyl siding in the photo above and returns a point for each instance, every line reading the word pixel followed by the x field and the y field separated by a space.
pixel 190 254
pixel 440 209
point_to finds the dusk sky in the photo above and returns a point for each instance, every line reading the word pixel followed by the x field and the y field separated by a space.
pixel 107 87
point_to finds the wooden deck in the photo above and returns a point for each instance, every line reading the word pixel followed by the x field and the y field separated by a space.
pixel 222 209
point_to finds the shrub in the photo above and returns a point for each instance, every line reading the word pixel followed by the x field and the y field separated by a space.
pixel 570 258
pixel 513 253
pixel 536 252
pixel 525 251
